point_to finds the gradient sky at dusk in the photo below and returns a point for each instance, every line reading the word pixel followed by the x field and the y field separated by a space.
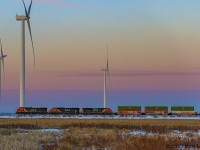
pixel 154 52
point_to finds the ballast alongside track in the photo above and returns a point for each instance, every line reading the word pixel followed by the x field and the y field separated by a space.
pixel 112 117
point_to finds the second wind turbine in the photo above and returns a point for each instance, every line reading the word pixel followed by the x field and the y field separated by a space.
pixel 22 67
pixel 106 73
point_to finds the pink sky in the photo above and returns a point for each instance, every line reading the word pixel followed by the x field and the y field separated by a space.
pixel 153 46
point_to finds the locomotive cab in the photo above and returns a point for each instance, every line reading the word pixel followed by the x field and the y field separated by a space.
pixel 30 110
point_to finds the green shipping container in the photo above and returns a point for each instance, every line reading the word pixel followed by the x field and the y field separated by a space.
pixel 129 107
pixel 156 108
pixel 182 108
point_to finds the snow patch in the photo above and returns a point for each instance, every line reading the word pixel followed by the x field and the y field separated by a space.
pixel 140 133
pixel 48 130
pixel 175 132
pixel 137 133
pixel 198 133
pixel 43 130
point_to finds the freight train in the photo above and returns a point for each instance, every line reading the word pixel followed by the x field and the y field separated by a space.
pixel 122 110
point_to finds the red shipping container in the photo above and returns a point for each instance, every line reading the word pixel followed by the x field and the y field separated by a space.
pixel 129 112
pixel 156 112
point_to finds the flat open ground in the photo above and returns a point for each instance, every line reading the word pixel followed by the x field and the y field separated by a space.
pixel 95 134
pixel 144 124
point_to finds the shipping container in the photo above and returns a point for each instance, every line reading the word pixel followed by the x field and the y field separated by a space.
pixel 156 110
pixel 129 110
pixel 62 110
pixel 129 107
pixel 182 110
pixel 91 111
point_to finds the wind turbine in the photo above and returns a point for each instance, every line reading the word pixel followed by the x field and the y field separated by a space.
pixel 2 57
pixel 106 73
pixel 22 67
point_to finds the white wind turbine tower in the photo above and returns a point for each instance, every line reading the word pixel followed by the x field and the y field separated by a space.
pixel 106 73
pixel 22 67
pixel 2 57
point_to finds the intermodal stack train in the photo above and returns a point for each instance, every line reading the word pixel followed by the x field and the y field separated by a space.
pixel 122 110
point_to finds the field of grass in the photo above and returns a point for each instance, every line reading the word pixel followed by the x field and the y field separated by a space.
pixel 98 134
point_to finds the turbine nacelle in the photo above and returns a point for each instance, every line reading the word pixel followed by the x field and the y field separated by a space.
pixel 20 18
pixel 104 69
pixel 2 57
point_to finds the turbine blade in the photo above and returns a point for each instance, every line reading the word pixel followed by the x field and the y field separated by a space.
pixel 2 59
pixel 107 57
pixel 25 9
pixel 3 67
pixel 29 9
pixel 29 27
pixel 108 74
pixel 1 50
pixel 0 70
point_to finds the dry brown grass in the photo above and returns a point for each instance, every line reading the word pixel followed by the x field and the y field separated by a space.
pixel 81 138
pixel 13 139
pixel 97 134
pixel 155 125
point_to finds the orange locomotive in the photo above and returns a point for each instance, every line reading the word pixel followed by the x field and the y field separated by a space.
pixel 30 110
pixel 62 110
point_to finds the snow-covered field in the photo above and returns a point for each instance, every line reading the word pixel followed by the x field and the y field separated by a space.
pixel 172 132
pixel 15 116
pixel 182 134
